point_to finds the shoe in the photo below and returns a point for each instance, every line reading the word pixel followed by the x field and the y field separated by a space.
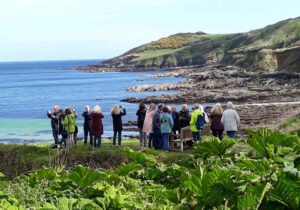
pixel 54 147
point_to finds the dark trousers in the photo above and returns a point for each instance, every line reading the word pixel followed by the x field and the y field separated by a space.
pixel 150 140
pixel 218 133
pixel 55 136
pixel 231 134
pixel 196 136
pixel 165 141
pixel 119 137
pixel 95 141
pixel 157 141
pixel 64 140
pixel 87 132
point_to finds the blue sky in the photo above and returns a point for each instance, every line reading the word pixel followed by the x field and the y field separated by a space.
pixel 94 29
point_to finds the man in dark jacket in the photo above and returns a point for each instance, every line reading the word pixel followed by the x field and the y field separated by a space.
pixel 56 119
pixel 156 123
pixel 184 117
pixel 87 125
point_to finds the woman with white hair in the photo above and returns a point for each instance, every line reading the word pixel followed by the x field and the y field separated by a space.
pixel 230 120
pixel 97 126
pixel 204 114
pixel 87 125
pixel 216 126
pixel 117 122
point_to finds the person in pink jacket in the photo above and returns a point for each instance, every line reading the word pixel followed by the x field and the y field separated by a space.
pixel 147 128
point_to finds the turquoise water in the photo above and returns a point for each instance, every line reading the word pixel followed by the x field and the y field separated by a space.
pixel 29 89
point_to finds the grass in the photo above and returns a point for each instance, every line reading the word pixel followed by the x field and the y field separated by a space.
pixel 155 53
pixel 291 125
pixel 16 160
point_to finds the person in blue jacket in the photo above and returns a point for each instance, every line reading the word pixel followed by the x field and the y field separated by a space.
pixel 167 124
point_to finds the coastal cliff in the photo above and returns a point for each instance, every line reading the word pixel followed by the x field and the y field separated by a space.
pixel 274 47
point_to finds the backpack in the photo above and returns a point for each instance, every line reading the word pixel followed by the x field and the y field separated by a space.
pixel 200 123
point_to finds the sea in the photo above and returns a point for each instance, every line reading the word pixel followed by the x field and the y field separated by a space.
pixel 29 89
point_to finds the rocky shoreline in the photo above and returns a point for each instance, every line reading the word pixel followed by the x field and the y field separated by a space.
pixel 256 94
pixel 211 84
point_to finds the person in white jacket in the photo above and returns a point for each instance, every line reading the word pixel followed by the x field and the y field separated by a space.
pixel 230 120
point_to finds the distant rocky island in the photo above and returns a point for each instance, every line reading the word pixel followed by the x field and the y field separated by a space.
pixel 259 67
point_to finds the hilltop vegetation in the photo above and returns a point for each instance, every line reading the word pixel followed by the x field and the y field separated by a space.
pixel 275 47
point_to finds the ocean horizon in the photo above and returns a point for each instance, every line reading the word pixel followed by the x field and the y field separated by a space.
pixel 30 88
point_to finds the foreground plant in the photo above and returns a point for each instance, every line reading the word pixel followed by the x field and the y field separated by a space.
pixel 215 177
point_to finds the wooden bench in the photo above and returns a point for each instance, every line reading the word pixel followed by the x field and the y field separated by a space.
pixel 186 135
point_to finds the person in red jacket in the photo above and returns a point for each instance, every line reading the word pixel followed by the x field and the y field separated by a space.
pixel 97 126
pixel 216 126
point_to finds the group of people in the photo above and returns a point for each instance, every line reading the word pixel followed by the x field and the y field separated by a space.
pixel 155 124
pixel 63 123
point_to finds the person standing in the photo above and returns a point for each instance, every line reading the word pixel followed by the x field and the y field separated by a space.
pixel 156 123
pixel 193 123
pixel 141 113
pixel 87 125
pixel 97 126
pixel 56 119
pixel 216 126
pixel 166 128
pixel 231 120
pixel 184 117
pixel 175 117
pixel 117 122
pixel 69 123
pixel 76 127
pixel 148 127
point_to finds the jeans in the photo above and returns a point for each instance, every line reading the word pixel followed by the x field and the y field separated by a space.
pixel 143 138
pixel 71 139
pixel 218 133
pixel 95 141
pixel 87 132
pixel 119 137
pixel 165 141
pixel 55 136
pixel 157 141
pixel 231 134
pixel 68 140
pixel 196 136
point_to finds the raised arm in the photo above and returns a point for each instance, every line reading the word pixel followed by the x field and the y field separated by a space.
pixel 123 113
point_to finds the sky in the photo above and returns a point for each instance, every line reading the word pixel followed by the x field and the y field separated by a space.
pixel 99 29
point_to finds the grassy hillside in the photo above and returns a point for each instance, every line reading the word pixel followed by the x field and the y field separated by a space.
pixel 274 47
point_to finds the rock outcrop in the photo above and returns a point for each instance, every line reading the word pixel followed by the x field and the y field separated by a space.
pixel 211 84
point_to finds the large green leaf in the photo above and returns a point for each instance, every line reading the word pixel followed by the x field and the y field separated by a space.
pixel 287 192
pixel 213 147
pixel 253 197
